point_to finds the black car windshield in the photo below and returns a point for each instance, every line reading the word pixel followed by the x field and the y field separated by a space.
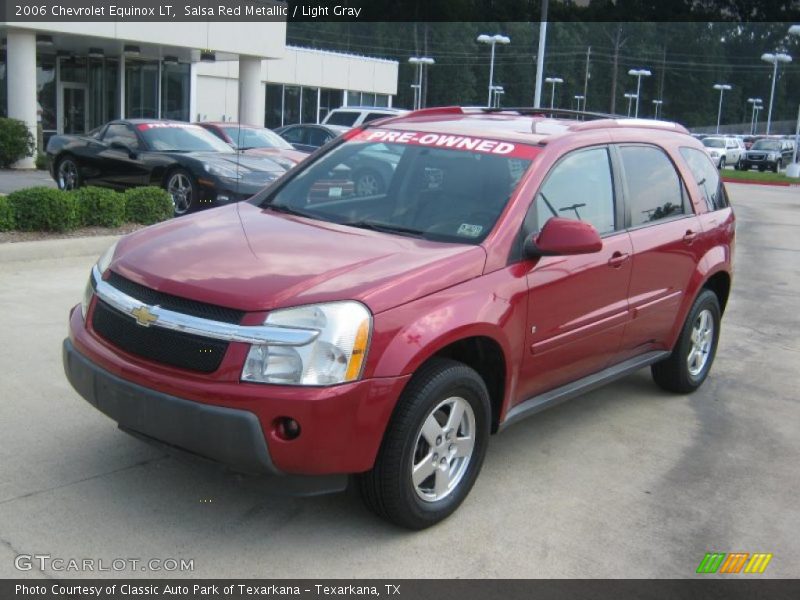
pixel 439 187
pixel 249 137
pixel 180 137
pixel 770 145
pixel 714 143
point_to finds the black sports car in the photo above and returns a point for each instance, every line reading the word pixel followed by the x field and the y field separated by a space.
pixel 198 169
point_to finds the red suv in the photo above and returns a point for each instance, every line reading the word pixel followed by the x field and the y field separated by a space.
pixel 512 261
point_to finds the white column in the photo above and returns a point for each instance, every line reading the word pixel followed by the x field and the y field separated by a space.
pixel 121 85
pixel 251 91
pixel 193 116
pixel 21 82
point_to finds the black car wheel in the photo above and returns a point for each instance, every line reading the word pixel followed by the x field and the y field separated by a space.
pixel 721 163
pixel 687 367
pixel 368 183
pixel 183 189
pixel 433 448
pixel 67 175
pixel 778 166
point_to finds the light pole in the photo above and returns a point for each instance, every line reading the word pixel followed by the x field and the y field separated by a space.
pixel 553 81
pixel 420 62
pixel 638 73
pixel 774 59
pixel 755 102
pixel 795 30
pixel 721 87
pixel 498 91
pixel 657 104
pixel 492 40
pixel 758 108
pixel 630 98
pixel 580 98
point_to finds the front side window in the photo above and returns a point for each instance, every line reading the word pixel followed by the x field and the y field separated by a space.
pixel 440 187
pixel 707 177
pixel 579 187
pixel 654 189
pixel 122 134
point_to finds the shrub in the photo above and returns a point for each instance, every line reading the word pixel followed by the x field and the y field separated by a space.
pixel 16 141
pixel 6 214
pixel 44 209
pixel 148 205
pixel 100 206
pixel 41 161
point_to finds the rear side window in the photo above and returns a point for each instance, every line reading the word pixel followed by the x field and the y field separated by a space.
pixel 706 176
pixel 373 116
pixel 579 187
pixel 342 117
pixel 654 189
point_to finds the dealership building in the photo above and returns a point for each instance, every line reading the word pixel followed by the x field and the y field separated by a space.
pixel 73 77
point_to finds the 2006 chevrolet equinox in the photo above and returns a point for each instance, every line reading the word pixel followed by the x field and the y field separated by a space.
pixel 502 262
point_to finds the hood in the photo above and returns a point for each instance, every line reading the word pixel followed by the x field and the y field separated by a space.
pixel 282 155
pixel 261 164
pixel 245 257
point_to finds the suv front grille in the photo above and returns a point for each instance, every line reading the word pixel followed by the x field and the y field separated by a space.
pixel 182 350
pixel 146 295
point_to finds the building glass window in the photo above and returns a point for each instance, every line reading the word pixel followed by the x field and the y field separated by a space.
pixel 328 100
pixel 381 100
pixel 291 104
pixel 175 91
pixel 273 108
pixel 353 98
pixel 308 109
pixel 46 91
pixel 141 89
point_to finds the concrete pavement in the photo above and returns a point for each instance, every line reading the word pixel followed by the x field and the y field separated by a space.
pixel 627 481
pixel 12 180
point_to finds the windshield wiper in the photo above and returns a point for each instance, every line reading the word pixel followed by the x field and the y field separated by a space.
pixel 384 227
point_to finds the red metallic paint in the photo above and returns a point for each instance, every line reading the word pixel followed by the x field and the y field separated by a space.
pixel 560 237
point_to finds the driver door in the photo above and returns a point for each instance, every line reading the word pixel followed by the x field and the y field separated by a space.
pixel 118 168
pixel 577 305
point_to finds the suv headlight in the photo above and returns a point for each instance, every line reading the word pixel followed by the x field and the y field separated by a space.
pixel 102 264
pixel 773 156
pixel 337 355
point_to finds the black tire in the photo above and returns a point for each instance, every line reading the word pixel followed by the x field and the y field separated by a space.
pixel 368 182
pixel 777 166
pixel 738 165
pixel 721 163
pixel 674 374
pixel 388 489
pixel 68 175
pixel 184 201
pixel 761 169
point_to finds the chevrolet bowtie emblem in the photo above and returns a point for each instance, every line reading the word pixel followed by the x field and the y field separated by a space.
pixel 143 316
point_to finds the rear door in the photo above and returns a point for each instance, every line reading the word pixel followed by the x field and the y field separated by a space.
pixel 665 232
pixel 577 305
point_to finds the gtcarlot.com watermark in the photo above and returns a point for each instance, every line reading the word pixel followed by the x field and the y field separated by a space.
pixel 46 562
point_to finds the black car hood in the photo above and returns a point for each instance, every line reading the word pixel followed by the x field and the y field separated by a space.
pixel 228 160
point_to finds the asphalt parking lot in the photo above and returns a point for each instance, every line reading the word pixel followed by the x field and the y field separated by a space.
pixel 627 481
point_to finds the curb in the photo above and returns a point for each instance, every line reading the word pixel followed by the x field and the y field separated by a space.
pixel 50 249
pixel 758 182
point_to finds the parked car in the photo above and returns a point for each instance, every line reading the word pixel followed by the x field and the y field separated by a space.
pixel 307 137
pixel 768 153
pixel 257 141
pixel 512 262
pixel 194 166
pixel 352 116
pixel 724 150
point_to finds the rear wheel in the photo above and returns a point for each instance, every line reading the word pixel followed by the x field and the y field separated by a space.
pixel 687 367
pixel 433 448
pixel 722 163
pixel 67 175
pixel 182 188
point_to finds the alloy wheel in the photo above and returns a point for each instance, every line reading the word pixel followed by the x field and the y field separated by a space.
pixel 702 338
pixel 180 188
pixel 67 175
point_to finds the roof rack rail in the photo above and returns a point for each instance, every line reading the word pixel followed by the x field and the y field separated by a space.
pixel 557 112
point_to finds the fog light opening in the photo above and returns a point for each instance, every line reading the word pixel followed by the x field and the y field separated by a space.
pixel 287 428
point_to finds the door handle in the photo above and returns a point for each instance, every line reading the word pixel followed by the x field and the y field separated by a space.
pixel 689 236
pixel 617 259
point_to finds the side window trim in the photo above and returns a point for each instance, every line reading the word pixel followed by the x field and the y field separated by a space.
pixel 688 207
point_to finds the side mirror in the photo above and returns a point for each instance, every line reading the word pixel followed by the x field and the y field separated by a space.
pixel 560 237
pixel 123 148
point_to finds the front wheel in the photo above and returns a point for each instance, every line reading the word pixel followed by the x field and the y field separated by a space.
pixel 687 367
pixel 721 163
pixel 433 448
pixel 182 188
pixel 777 167
pixel 67 175
pixel 368 183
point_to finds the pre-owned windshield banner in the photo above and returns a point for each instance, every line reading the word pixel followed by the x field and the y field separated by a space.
pixel 448 141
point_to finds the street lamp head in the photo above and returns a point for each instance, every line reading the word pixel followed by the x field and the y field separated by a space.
pixel 721 86
pixel 755 100
pixel 658 102
pixel 554 80
pixel 578 97
pixel 794 30
pixel 484 39
pixel 629 95
pixel 776 58
pixel 639 73
pixel 502 39
pixel 493 39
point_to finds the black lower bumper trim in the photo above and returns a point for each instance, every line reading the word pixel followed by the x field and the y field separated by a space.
pixel 223 435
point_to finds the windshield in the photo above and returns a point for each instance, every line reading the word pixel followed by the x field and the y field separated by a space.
pixel 766 145
pixel 248 137
pixel 438 187
pixel 345 118
pixel 180 137
pixel 714 143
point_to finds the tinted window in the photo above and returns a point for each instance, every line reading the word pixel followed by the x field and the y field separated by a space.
pixel 293 135
pixel 318 137
pixel 373 116
pixel 707 178
pixel 766 145
pixel 579 187
pixel 654 189
pixel 714 143
pixel 171 137
pixel 118 132
pixel 342 117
